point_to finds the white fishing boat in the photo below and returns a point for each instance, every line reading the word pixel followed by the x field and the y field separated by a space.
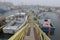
pixel 15 25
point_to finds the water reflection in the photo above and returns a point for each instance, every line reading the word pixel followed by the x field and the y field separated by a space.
pixel 5 36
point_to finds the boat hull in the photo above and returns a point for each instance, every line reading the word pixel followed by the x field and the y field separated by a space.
pixel 46 29
pixel 1 28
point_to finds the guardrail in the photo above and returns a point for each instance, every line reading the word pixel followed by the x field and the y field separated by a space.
pixel 20 34
pixel 41 34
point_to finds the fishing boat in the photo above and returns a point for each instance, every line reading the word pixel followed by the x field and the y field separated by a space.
pixel 16 24
pixel 47 26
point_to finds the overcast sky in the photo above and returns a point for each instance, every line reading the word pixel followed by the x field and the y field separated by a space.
pixel 34 2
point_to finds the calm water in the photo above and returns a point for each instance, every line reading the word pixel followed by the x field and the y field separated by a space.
pixel 56 35
pixel 5 36
pixel 56 21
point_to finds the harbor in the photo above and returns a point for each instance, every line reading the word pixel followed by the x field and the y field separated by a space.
pixel 30 23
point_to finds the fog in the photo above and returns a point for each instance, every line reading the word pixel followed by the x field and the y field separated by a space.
pixel 34 2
